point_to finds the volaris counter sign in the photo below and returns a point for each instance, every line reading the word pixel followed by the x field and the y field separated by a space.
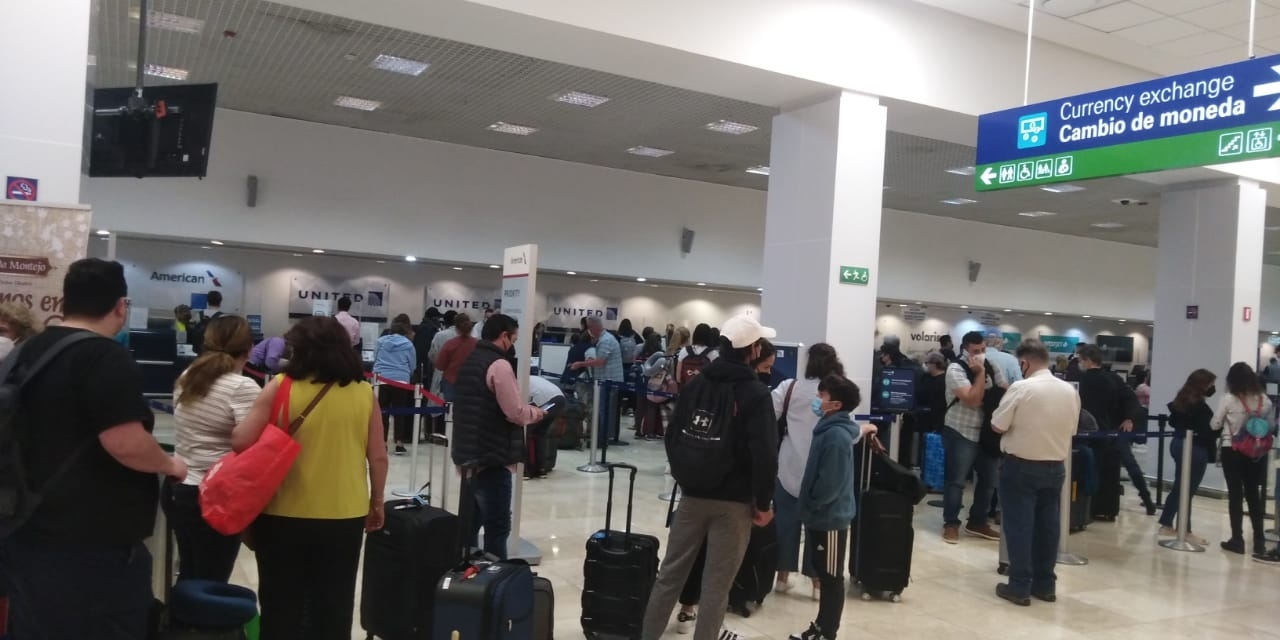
pixel 1215 116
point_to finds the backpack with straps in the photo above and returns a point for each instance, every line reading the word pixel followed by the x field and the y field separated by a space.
pixel 662 382
pixel 18 499
pixel 1255 438
pixel 691 365
pixel 700 440
pixel 988 438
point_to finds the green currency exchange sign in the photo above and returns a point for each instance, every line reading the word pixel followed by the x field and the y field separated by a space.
pixel 1215 116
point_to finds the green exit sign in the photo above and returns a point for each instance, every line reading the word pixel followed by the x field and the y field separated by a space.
pixel 854 275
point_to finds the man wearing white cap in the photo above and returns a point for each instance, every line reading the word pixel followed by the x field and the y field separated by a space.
pixel 723 449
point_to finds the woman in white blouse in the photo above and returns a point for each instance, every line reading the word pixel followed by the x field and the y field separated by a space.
pixel 210 399
pixel 1244 475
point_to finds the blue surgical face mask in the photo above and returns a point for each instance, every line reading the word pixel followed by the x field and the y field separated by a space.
pixel 816 407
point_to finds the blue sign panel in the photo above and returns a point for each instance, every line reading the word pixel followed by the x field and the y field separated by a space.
pixel 1229 106
pixel 895 390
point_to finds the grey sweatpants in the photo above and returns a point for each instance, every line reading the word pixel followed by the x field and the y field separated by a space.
pixel 726 526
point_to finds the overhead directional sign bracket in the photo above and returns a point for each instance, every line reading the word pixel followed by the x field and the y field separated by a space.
pixel 1214 116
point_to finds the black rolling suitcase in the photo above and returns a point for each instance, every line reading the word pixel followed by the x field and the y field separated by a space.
pixel 882 535
pixel 618 573
pixel 482 598
pixel 402 564
pixel 1106 501
pixel 544 609
pixel 758 570
pixel 1084 482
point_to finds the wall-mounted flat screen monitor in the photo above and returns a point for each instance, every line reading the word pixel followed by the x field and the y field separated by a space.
pixel 1116 348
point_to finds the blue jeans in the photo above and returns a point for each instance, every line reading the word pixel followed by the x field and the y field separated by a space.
pixel 962 456
pixel 786 515
pixel 1199 462
pixel 103 594
pixel 1031 495
pixel 1125 448
pixel 492 489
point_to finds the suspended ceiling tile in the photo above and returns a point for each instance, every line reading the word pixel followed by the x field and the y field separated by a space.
pixel 1224 14
pixel 1198 45
pixel 1159 31
pixel 1069 8
pixel 1117 16
pixel 1176 7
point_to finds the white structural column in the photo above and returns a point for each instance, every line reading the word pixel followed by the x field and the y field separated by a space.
pixel 42 115
pixel 1210 257
pixel 825 186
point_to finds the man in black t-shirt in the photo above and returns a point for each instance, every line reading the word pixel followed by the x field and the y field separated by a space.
pixel 77 568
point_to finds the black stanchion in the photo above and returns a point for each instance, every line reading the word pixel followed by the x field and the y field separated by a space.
pixel 1161 420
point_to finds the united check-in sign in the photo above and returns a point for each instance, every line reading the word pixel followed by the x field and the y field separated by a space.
pixel 1214 116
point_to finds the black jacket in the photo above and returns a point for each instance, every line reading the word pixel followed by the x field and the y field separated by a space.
pixel 481 432
pixel 755 471
pixel 1198 419
pixel 1104 395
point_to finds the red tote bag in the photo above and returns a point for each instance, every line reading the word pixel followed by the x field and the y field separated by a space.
pixel 241 485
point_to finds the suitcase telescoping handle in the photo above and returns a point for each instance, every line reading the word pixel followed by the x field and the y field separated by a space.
pixel 631 494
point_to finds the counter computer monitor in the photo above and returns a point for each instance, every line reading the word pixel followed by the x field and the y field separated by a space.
pixel 554 359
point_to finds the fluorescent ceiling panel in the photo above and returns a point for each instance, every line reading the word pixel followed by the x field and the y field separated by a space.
pixel 362 104
pixel 399 65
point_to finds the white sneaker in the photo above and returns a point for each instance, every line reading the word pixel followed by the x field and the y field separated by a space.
pixel 685 622
pixel 782 586
pixel 1195 539
pixel 727 634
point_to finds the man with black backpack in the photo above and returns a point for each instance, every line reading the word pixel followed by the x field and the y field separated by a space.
pixel 722 445
pixel 974 388
pixel 76 450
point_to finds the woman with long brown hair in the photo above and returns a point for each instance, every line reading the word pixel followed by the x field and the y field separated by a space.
pixel 211 397
pixel 307 540
pixel 1190 412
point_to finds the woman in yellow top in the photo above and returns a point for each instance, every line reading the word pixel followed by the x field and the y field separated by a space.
pixel 308 539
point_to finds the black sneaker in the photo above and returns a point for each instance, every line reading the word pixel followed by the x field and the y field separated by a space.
pixel 1234 545
pixel 1272 557
pixel 812 633
pixel 400 450
pixel 1046 597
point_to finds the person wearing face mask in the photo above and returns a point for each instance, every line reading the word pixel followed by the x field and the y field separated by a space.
pixel 968 382
pixel 764 364
pixel 488 433
pixel 1189 411
pixel 1110 400
pixel 827 501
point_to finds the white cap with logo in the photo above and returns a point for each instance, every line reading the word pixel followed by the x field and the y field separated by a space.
pixel 744 331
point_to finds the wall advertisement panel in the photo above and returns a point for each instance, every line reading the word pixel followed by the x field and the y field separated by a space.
pixel 370 297
pixel 38 244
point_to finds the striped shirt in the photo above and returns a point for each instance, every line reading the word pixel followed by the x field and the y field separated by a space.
pixel 203 428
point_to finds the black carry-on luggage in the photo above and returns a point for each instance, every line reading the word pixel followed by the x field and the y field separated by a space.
pixel 618 573
pixel 882 534
pixel 1084 483
pixel 544 609
pixel 1106 501
pixel 758 570
pixel 483 598
pixel 402 564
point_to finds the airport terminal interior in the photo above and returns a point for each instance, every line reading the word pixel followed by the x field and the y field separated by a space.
pixel 878 175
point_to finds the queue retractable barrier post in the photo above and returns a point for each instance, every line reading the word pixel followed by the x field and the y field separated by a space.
pixel 1162 420
pixel 1184 503
pixel 592 465
pixel 1272 535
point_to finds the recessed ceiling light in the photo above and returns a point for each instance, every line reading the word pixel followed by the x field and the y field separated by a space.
pixel 297 255
pixel 962 171
pixel 571 273
pixel 206 247
pixel 457 268
pixel 964 306
pixel 595 281
pixel 161 71
pixel 494 266
pixel 1036 214
pixel 1108 225
pixel 1123 321
pixel 396 64
pixel 760 289
pixel 411 258
pixel 1048 313
pixel 730 127
pixel 902 305
pixel 171 22
pixel 317 251
pixel 958 201
pixel 513 129
pixel 1274 333
pixel 580 99
pixel 702 284
pixel 654 286
pixel 1086 317
pixel 1062 188
pixel 103 232
pixel 1008 310
pixel 641 279
pixel 918 302
pixel 649 152
pixel 216 242
pixel 760 169
pixel 363 104
pixel 1273 228
pixel 382 261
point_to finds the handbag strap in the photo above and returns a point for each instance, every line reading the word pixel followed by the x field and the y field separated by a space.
pixel 297 422
pixel 280 406
pixel 786 400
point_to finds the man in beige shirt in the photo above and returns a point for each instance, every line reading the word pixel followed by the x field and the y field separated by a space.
pixel 1038 416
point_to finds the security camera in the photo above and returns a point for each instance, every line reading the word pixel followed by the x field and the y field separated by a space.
pixel 1128 202
pixel 1124 201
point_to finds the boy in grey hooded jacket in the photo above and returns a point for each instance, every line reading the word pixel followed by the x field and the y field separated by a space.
pixel 827 497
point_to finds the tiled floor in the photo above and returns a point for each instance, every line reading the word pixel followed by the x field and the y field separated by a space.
pixel 1131 589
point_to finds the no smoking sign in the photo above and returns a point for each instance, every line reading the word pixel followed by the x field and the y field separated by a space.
pixel 21 189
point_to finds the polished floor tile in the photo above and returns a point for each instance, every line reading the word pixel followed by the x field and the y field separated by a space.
pixel 1131 589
